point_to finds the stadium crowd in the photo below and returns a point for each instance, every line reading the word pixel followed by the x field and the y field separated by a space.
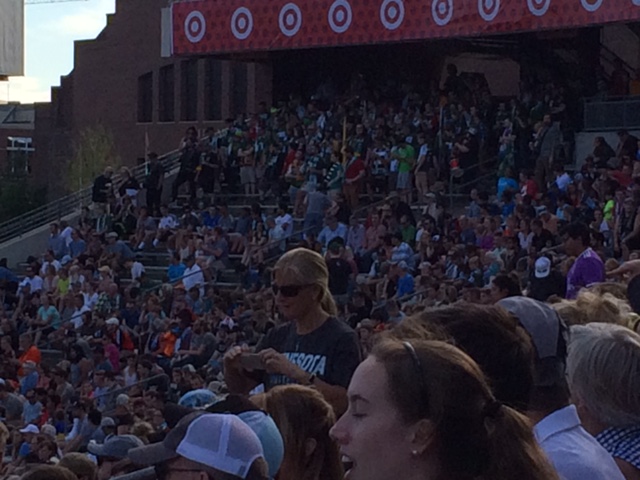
pixel 496 340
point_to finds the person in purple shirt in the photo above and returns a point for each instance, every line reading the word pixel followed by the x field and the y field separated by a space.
pixel 588 267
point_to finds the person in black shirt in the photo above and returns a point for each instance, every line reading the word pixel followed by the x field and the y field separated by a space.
pixel 546 281
pixel 189 162
pixel 314 348
pixel 103 187
pixel 340 273
pixel 400 208
pixel 542 238
pixel 153 184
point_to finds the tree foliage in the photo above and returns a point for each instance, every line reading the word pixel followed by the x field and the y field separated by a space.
pixel 17 196
pixel 94 150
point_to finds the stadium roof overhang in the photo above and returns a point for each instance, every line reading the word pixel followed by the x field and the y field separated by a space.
pixel 205 27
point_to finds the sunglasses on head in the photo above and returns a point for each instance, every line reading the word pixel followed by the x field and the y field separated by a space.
pixel 288 290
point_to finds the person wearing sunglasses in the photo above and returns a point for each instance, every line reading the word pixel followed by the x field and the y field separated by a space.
pixel 424 410
pixel 312 348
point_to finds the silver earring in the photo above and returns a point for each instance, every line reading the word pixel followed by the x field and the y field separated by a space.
pixel 414 453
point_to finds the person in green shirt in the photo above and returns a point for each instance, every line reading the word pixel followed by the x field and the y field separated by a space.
pixel 334 177
pixel 406 156
pixel 408 231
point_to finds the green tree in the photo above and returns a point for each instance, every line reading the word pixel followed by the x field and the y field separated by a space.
pixel 94 150
pixel 18 197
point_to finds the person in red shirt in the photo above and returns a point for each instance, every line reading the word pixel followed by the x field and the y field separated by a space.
pixel 29 352
pixel 528 186
pixel 354 173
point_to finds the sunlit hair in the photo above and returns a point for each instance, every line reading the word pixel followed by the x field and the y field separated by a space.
pixel 436 381
pixel 303 416
pixel 306 267
pixel 590 307
pixel 490 335
pixel 603 371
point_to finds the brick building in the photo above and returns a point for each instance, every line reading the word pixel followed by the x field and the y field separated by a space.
pixel 16 139
pixel 120 81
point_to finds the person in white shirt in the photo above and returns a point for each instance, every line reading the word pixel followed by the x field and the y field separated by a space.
pixel 80 308
pixel 66 232
pixel 193 276
pixel 137 269
pixel 284 220
pixel 277 236
pixel 166 226
pixel 331 231
pixel 32 280
pixel 574 453
pixel 49 259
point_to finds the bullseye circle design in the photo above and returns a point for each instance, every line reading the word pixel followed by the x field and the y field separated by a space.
pixel 538 7
pixel 442 11
pixel 392 14
pixel 195 26
pixel 340 16
pixel 591 5
pixel 290 19
pixel 242 23
pixel 488 9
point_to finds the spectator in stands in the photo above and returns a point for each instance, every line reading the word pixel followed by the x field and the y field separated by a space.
pixel 333 231
pixel 602 371
pixel 57 242
pixel 154 183
pixel 588 268
pixel 305 350
pixel 387 396
pixel 189 162
pixel 546 281
pixel 102 191
pixel 77 246
pixel 574 452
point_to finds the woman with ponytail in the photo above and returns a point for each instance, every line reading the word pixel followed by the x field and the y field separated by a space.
pixel 422 410
pixel 312 348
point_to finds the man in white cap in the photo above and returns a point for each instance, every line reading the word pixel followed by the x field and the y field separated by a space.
pixel 546 281
pixel 208 445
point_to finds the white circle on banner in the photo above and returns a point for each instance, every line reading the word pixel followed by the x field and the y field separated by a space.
pixel 591 5
pixel 195 26
pixel 442 11
pixel 488 9
pixel 340 16
pixel 241 23
pixel 538 7
pixel 290 19
pixel 392 14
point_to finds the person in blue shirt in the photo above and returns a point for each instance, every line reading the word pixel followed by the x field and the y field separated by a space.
pixel 77 246
pixel 30 379
pixel 507 182
pixel 176 269
pixel 405 280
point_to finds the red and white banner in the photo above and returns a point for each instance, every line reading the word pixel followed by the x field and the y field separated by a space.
pixel 218 26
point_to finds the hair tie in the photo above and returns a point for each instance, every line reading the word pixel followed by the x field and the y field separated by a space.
pixel 492 409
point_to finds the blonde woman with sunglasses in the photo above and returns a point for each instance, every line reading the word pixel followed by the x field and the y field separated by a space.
pixel 312 348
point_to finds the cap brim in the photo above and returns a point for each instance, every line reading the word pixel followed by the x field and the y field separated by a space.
pixel 543 274
pixel 151 454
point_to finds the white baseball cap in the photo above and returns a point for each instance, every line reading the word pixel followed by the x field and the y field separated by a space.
pixel 30 429
pixel 543 267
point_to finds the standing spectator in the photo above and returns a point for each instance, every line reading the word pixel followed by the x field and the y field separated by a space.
pixel 354 175
pixel 547 139
pixel 317 204
pixel 189 161
pixel 574 453
pixel 57 243
pixel 314 348
pixel 154 183
pixel 102 191
pixel 356 236
pixel 340 274
pixel 588 267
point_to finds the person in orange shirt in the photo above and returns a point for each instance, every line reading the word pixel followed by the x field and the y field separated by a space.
pixel 29 352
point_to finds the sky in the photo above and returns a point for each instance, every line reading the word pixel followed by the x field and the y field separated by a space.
pixel 50 30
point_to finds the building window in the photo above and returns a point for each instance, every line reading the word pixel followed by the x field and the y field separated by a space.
pixel 145 98
pixel 213 89
pixel 20 150
pixel 189 90
pixel 239 86
pixel 166 92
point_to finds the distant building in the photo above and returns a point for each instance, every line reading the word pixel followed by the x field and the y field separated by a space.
pixel 17 148
pixel 120 81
